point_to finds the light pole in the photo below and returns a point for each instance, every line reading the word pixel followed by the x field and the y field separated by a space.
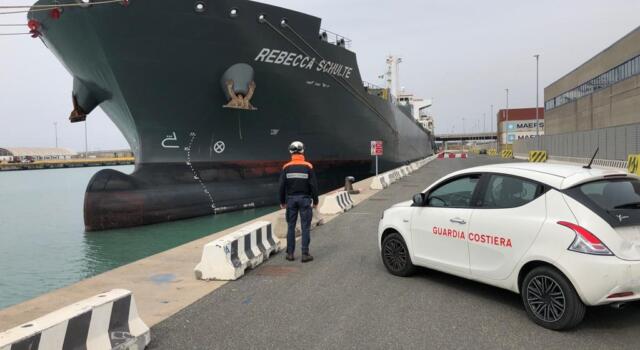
pixel 537 101
pixel 484 122
pixel 491 121
pixel 464 131
pixel 55 128
pixel 506 119
pixel 491 118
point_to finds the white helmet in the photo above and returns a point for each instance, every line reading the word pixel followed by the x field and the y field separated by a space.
pixel 296 147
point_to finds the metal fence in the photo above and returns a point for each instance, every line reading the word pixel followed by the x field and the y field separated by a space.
pixel 615 143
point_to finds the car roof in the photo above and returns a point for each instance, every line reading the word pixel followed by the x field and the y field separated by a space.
pixel 560 176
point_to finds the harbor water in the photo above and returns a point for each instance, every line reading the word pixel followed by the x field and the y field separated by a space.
pixel 43 244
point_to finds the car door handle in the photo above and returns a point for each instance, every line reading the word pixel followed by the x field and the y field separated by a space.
pixel 458 221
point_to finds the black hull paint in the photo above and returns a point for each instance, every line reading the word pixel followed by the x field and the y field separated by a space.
pixel 155 67
pixel 165 192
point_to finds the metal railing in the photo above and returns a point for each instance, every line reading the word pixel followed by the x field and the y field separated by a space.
pixel 614 143
pixel 368 85
pixel 610 163
pixel 335 38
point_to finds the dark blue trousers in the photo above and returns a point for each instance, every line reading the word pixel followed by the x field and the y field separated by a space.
pixel 302 205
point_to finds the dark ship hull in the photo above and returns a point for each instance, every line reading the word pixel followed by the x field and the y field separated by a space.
pixel 160 69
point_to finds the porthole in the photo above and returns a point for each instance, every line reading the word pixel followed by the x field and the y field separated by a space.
pixel 262 18
pixel 284 23
pixel 199 7
pixel 233 13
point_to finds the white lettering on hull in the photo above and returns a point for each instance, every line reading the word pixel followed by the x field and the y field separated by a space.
pixel 293 59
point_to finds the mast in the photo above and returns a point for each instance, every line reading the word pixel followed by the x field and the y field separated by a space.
pixel 393 74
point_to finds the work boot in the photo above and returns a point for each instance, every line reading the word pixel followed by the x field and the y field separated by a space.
pixel 306 258
pixel 290 257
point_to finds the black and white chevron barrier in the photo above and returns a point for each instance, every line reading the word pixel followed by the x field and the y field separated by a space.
pixel 344 201
pixel 106 321
pixel 227 258
pixel 335 203
pixel 384 180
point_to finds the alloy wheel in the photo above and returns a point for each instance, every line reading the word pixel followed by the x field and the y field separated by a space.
pixel 395 254
pixel 546 298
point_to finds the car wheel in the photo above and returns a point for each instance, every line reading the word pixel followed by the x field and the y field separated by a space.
pixel 395 256
pixel 550 300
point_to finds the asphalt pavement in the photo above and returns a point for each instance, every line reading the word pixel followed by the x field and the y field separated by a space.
pixel 345 299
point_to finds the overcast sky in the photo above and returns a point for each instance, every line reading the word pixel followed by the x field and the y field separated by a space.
pixel 463 54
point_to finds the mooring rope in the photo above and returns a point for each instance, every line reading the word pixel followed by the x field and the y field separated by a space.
pixel 321 57
pixel 39 8
pixel 356 95
pixel 52 6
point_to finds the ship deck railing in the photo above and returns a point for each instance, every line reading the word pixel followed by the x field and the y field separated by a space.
pixel 370 86
pixel 335 38
pixel 383 93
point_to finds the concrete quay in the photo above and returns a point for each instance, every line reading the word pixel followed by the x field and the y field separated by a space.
pixel 163 284
pixel 345 299
pixel 68 163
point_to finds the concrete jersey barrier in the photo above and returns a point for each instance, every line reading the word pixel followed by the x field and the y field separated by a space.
pixel 335 203
pixel 227 258
pixel 384 180
pixel 106 321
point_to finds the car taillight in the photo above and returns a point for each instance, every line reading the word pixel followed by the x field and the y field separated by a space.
pixel 585 241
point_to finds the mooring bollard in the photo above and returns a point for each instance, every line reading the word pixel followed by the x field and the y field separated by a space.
pixel 348 185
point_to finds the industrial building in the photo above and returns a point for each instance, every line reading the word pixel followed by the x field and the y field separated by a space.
pixel 519 124
pixel 17 154
pixel 120 153
pixel 601 93
pixel 595 107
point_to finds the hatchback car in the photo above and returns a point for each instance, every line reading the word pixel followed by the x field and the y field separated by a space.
pixel 562 236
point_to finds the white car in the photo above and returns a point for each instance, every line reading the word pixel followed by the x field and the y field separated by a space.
pixel 562 236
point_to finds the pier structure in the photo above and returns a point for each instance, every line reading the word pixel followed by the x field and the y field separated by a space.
pixel 344 299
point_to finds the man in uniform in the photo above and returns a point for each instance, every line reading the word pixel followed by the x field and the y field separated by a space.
pixel 298 193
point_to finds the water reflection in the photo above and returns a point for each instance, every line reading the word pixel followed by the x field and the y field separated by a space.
pixel 106 250
pixel 43 245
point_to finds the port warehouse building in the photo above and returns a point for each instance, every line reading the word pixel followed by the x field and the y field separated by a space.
pixel 595 105
pixel 21 153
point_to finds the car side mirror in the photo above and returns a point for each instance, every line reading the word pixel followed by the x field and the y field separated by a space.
pixel 418 200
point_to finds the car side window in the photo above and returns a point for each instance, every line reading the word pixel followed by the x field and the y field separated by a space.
pixel 509 192
pixel 456 193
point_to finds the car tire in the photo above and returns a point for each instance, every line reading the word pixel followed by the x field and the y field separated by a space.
pixel 395 256
pixel 550 299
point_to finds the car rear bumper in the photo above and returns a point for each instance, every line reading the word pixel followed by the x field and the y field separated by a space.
pixel 598 278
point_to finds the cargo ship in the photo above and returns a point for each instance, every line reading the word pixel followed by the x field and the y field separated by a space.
pixel 209 94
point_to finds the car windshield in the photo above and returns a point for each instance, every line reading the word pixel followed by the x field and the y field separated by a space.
pixel 614 194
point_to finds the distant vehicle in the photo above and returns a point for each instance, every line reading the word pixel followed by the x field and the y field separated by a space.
pixel 483 151
pixel 562 236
